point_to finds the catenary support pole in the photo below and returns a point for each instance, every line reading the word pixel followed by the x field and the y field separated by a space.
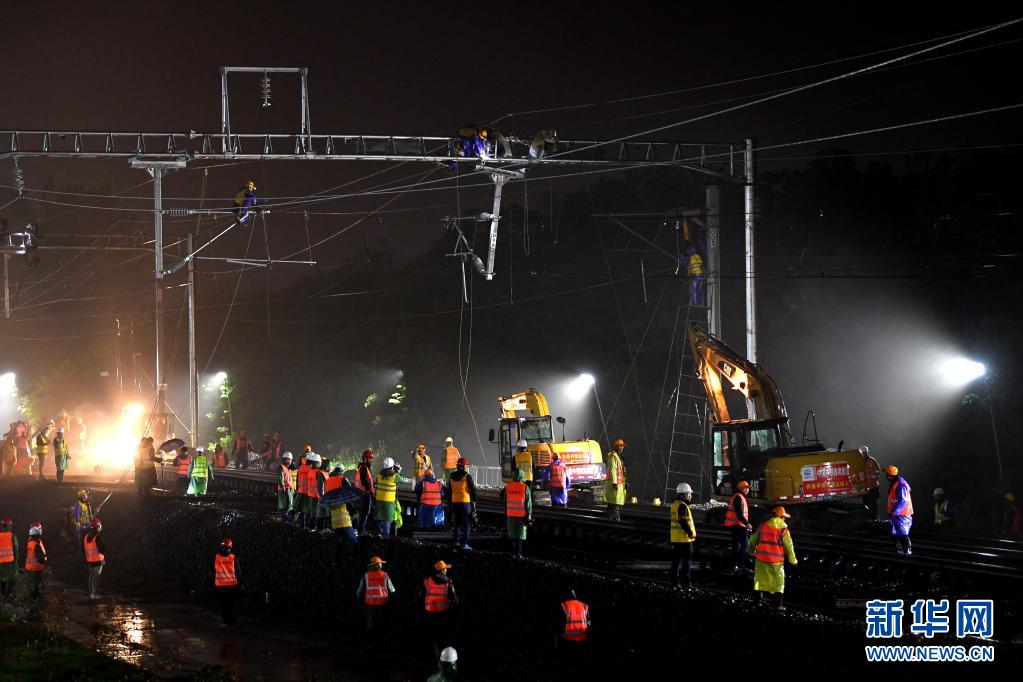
pixel 158 429
pixel 193 379
pixel 751 302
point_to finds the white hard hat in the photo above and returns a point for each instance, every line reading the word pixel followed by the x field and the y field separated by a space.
pixel 864 450
pixel 200 449
pixel 522 444
pixel 449 655
pixel 35 530
pixel 287 455
pixel 683 488
pixel 388 462
pixel 312 457
pixel 939 491
pixel 449 439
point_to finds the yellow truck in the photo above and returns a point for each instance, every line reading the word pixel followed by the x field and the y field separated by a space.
pixel 760 449
pixel 525 416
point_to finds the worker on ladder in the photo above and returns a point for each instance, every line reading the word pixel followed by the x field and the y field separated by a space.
pixel 696 277
pixel 246 202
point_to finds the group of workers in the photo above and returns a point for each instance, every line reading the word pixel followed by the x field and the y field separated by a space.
pixel 21 449
pixel 486 142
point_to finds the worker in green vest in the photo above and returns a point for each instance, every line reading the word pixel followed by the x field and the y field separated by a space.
pixel 200 472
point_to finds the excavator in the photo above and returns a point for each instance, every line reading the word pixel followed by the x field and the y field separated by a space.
pixel 525 416
pixel 760 449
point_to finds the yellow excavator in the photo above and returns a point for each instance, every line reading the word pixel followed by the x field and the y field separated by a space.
pixel 525 416
pixel 760 449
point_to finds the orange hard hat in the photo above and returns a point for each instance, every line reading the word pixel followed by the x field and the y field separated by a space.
pixel 428 472
pixel 618 442
pixel 440 566
pixel 892 470
pixel 742 484
pixel 308 448
pixel 376 560
pixel 780 512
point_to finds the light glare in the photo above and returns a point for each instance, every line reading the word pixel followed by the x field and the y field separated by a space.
pixel 578 388
pixel 961 371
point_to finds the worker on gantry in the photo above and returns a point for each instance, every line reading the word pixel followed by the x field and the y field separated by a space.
pixel 245 202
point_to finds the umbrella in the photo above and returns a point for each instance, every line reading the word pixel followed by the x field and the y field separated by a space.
pixel 346 494
pixel 172 445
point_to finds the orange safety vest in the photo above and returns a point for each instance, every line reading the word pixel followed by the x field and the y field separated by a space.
pixel 358 478
pixel 303 481
pixel 182 467
pixel 557 476
pixel 312 485
pixel 451 456
pixel 31 562
pixel 436 596
pixel 333 483
pixel 515 499
pixel 223 571
pixel 893 499
pixel 576 616
pixel 289 482
pixel 6 547
pixel 731 519
pixel 376 588
pixel 460 490
pixel 92 553
pixel 431 493
pixel 770 549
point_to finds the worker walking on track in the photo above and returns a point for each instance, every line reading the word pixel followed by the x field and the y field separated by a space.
pixel 345 538
pixel 182 465
pixel 439 598
pixel 771 546
pixel 559 482
pixel 364 482
pixel 374 591
pixel 95 555
pixel 420 462
pixel 430 493
pixel 451 457
pixel 285 486
pixel 386 500
pixel 61 455
pixel 615 483
pixel 683 534
pixel 447 667
pixel 35 559
pixel 225 580
pixel 524 461
pixel 200 472
pixel 900 509
pixel 9 558
pixel 461 494
pixel 574 631
pixel 737 522
pixel 944 514
pixel 518 511
pixel 313 490
pixel 301 501
pixel 42 446
pixel 145 466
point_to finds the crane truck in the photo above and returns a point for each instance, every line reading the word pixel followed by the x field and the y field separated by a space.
pixel 760 449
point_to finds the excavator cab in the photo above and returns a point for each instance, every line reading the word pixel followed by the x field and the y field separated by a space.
pixel 742 449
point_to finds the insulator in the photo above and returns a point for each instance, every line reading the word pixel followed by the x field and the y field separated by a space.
pixel 264 86
pixel 19 179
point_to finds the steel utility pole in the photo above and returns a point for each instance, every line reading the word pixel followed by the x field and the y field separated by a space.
pixel 193 378
pixel 751 301
pixel 7 286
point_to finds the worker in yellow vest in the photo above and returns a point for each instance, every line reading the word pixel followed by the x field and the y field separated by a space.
pixel 615 483
pixel 451 457
pixel 9 556
pixel 200 472
pixel 771 546
pixel 420 462
pixel 42 446
pixel 683 534
pixel 696 277
pixel 524 461
pixel 386 500
pixel 95 555
pixel 225 579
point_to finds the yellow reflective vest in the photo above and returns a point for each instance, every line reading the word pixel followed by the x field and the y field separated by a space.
pixel 678 531
pixel 387 487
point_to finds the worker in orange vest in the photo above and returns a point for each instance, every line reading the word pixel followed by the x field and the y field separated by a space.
pixel 737 523
pixel 364 481
pixel 439 598
pixel 225 579
pixel 374 591
pixel 900 509
pixel 35 558
pixel 771 545
pixel 302 487
pixel 518 510
pixel 9 556
pixel 461 494
pixel 322 512
pixel 451 456
pixel 285 486
pixel 559 482
pixel 95 555
pixel 574 631
pixel 430 492
pixel 181 466
pixel 313 490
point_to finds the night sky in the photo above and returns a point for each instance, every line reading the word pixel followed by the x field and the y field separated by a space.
pixel 425 69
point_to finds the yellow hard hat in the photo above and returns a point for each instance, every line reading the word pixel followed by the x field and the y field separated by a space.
pixel 780 512
pixel 891 470
pixel 1010 497
pixel 251 185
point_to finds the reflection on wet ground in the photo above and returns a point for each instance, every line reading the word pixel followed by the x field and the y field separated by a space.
pixel 175 640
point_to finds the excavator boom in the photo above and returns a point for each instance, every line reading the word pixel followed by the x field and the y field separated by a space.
pixel 531 400
pixel 717 364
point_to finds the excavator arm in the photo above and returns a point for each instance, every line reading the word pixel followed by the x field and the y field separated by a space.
pixel 718 365
pixel 530 400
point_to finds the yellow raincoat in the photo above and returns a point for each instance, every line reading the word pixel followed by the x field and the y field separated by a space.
pixel 770 577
